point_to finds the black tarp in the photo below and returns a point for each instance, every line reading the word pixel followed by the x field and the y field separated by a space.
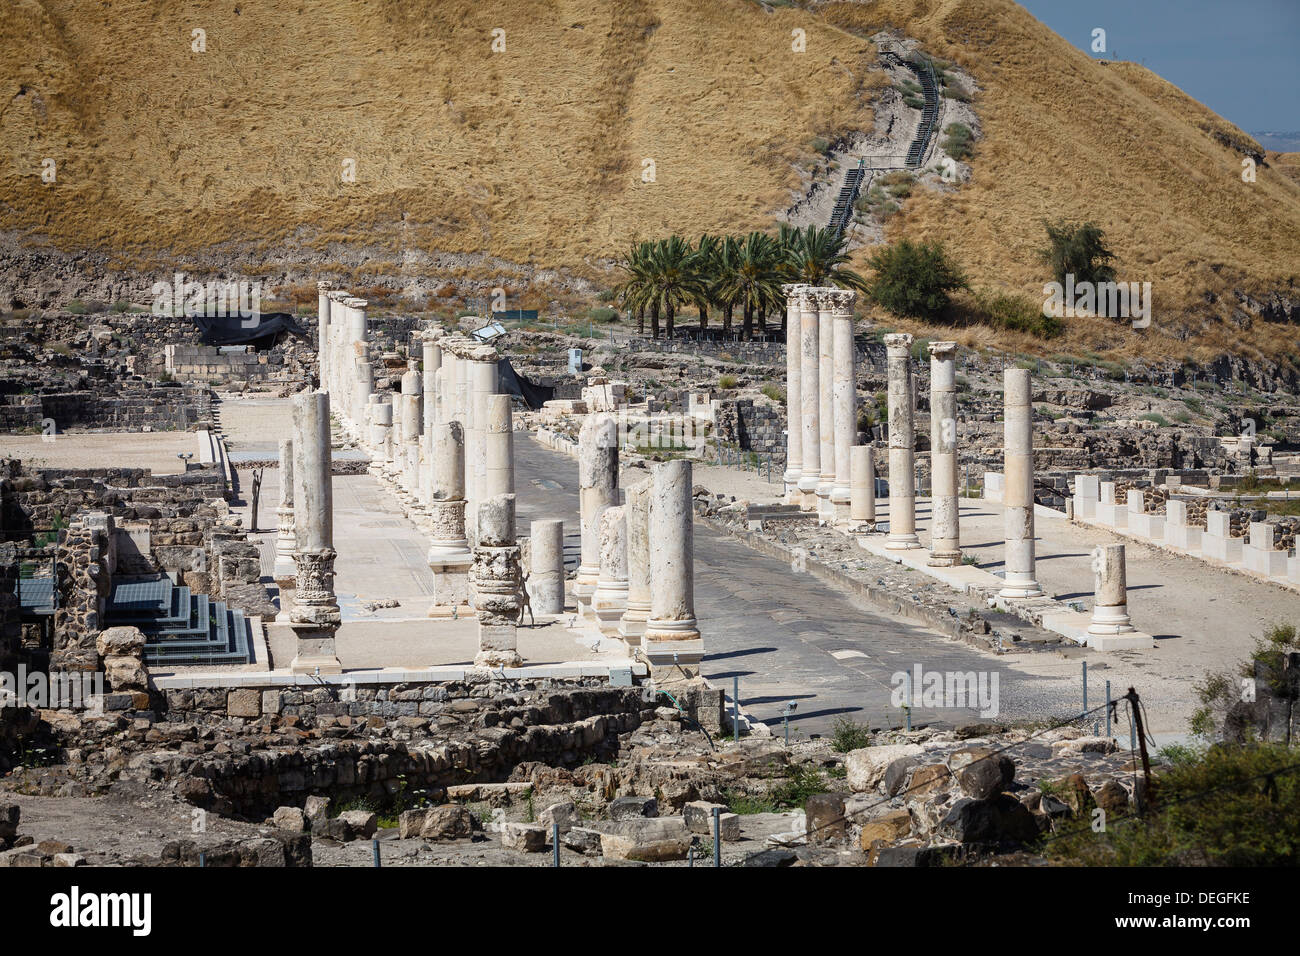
pixel 512 383
pixel 261 331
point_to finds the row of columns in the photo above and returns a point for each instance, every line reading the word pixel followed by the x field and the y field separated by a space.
pixel 821 395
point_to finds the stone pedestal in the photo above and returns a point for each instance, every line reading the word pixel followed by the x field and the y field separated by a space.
pixel 1110 512
pixel 1110 607
pixel 672 643
pixel 546 570
pixel 597 490
pixel 945 533
pixel 1087 492
pixel 844 398
pixel 902 444
pixel 794 294
pixel 449 555
pixel 496 579
pixel 1018 495
pixel 809 402
pixel 1258 553
pixel 315 616
pixel 1217 541
pixel 1139 521
pixel 285 570
pixel 481 385
pixel 632 626
pixel 609 600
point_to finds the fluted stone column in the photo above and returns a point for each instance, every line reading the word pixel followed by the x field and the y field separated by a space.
pixel 637 509
pixel 431 355
pixel 862 486
pixel 500 447
pixel 794 294
pixel 902 444
pixel 809 401
pixel 363 387
pixel 1018 494
pixel 338 330
pixel 672 643
pixel 285 570
pixel 945 534
pixel 381 419
pixel 825 392
pixel 546 567
pixel 844 397
pixel 496 579
pixel 609 600
pixel 449 555
pixel 1110 601
pixel 322 331
pixel 597 490
pixel 315 616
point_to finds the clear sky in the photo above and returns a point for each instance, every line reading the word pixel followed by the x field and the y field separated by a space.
pixel 1241 58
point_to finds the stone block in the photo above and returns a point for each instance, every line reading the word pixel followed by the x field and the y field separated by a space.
pixel 866 767
pixel 647 840
pixel 525 837
pixel 633 808
pixel 244 702
pixel 363 823
pixel 891 826
pixel 289 818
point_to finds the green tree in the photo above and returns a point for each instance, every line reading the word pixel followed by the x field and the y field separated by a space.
pixel 915 279
pixel 1078 249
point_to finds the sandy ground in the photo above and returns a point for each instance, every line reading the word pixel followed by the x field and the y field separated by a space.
pixel 154 450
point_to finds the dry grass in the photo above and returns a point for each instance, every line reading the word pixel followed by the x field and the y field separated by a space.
pixel 534 156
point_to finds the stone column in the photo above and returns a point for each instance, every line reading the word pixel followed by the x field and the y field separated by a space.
pixel 285 571
pixel 826 403
pixel 862 486
pixel 945 534
pixel 637 509
pixel 809 402
pixel 609 600
pixel 432 359
pixel 844 397
pixel 672 643
pixel 597 490
pixel 546 570
pixel 902 444
pixel 412 402
pixel 384 428
pixel 1110 602
pixel 363 387
pixel 496 578
pixel 322 331
pixel 500 447
pixel 315 616
pixel 355 348
pixel 794 294
pixel 481 383
pixel 380 422
pixel 337 330
pixel 1018 493
pixel 449 555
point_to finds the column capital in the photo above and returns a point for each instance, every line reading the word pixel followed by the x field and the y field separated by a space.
pixel 898 340
pixel 840 301
pixel 943 350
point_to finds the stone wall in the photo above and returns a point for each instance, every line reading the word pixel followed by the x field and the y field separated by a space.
pixel 129 406
pixel 206 363
pixel 83 584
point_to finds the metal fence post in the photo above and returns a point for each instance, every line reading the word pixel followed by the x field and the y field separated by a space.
pixel 374 846
pixel 735 708
pixel 717 836
pixel 555 839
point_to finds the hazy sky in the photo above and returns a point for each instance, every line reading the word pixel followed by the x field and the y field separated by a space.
pixel 1241 58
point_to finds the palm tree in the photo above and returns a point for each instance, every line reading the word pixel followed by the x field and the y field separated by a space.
pixel 706 256
pixel 817 256
pixel 674 279
pixel 725 264
pixel 635 292
pixel 754 280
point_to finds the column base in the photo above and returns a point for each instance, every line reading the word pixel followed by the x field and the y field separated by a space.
pixel 584 589
pixel 673 649
pixel 607 607
pixel 944 559
pixel 902 542
pixel 1017 590
pixel 1109 621
pixel 631 628
pixel 807 493
pixel 792 494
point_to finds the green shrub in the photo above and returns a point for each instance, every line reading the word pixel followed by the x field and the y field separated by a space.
pixel 727 381
pixel 1078 250
pixel 1016 313
pixel 821 144
pixel 847 734
pixel 602 313
pixel 773 392
pixel 915 279
pixel 77 307
pixel 957 143
pixel 1155 417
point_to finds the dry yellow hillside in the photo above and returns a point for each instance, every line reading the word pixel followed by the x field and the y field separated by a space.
pixel 535 155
